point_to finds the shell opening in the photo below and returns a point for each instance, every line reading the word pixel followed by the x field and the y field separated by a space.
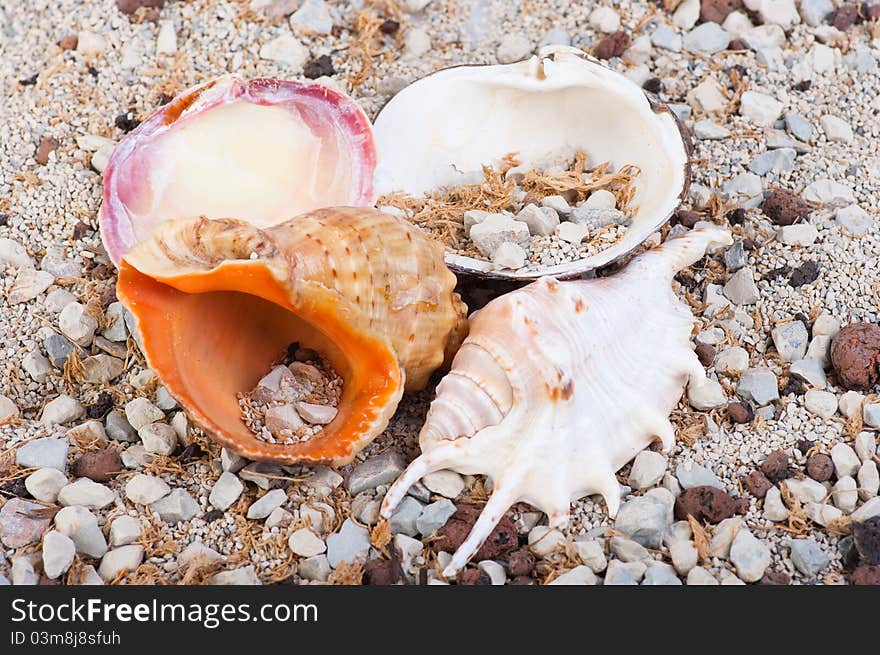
pixel 212 335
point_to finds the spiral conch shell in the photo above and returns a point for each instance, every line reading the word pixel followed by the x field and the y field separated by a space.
pixel 216 301
pixel 559 384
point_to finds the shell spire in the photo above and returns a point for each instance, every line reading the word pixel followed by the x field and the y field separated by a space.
pixel 676 254
pixel 217 301
pixel 559 384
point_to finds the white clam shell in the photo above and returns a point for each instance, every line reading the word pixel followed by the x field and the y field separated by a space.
pixel 554 104
pixel 559 384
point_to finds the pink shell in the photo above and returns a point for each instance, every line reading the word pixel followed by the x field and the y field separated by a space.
pixel 331 116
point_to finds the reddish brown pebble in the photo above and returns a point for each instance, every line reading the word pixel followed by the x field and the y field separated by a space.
pixel 866 576
pixel 705 503
pixel 757 484
pixel 737 217
pixel 129 7
pixel 740 412
pixel 855 355
pixel 687 218
pixel 706 354
pixel 522 580
pixel 80 230
pixel 15 488
pixel 804 445
pixel 389 27
pixel 101 407
pixel 866 536
pixel 319 67
pixel 775 467
pixel 775 578
pixel 820 467
pixel 501 541
pixel 191 453
pixel 653 85
pixel 612 45
pixel 99 465
pixel 715 11
pixel 806 273
pixel 845 17
pixel 737 44
pixel 69 42
pixel 48 582
pixel 47 145
pixel 784 207
pixel 382 572
pixel 471 577
pixel 520 562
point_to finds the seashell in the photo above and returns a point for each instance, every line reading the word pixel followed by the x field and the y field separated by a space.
pixel 217 301
pixel 559 384
pixel 261 150
pixel 555 103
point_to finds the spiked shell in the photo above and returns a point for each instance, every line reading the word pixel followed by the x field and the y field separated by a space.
pixel 217 301
pixel 559 384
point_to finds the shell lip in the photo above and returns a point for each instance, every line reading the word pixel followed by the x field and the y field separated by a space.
pixel 469 268
pixel 116 223
pixel 341 440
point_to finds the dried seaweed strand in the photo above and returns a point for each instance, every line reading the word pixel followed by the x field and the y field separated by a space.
pixel 441 213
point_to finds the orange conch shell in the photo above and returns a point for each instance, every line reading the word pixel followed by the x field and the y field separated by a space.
pixel 216 301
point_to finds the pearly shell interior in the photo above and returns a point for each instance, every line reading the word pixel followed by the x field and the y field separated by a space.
pixel 263 150
pixel 456 120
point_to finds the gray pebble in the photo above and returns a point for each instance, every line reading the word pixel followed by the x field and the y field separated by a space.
pixel 47 452
pixel 58 349
pixel 119 428
pixel 176 507
pixel 741 288
pixel 314 568
pixel 808 557
pixel 624 573
pixel 693 475
pixel 775 161
pixel 645 520
pixel 659 573
pixel 735 257
pixel 749 555
pixel 380 469
pixel 791 340
pixel 706 39
pixel 350 543
pixel 758 385
pixel 667 38
pixel 681 111
pixel 405 517
pixel 799 126
pixel 555 36
pixel 628 550
pixel 434 517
